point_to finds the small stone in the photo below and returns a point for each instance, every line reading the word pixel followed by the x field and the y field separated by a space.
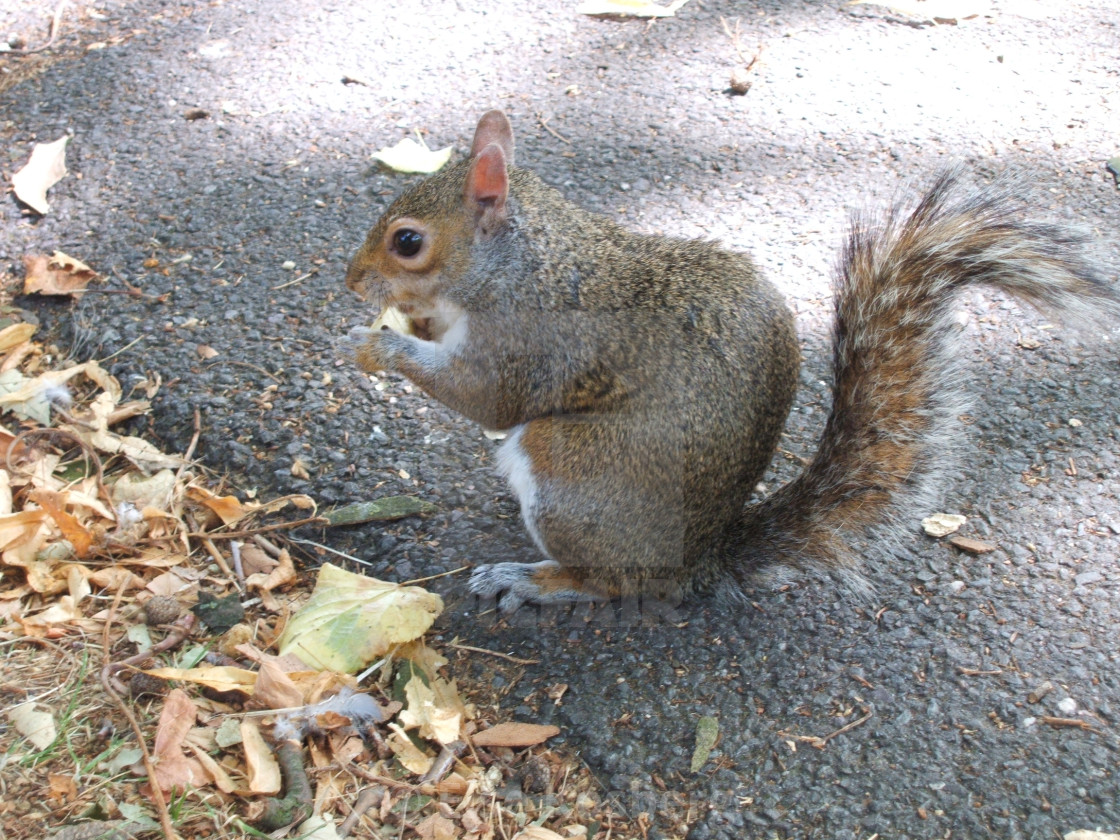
pixel 956 586
pixel 288 265
pixel 1067 706
pixel 1086 578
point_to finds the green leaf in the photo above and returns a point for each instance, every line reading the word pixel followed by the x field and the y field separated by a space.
pixel 351 620
pixel 379 510
pixel 707 733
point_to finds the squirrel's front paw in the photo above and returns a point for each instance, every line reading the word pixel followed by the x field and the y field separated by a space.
pixel 514 584
pixel 370 348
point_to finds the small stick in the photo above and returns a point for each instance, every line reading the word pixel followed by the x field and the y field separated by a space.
pixel 107 671
pixel 217 557
pixel 975 672
pixel 1058 722
pixel 734 36
pixel 434 577
pixel 443 763
pixel 245 535
pixel 544 124
pixel 819 742
pixel 512 659
pixel 179 632
pixel 369 797
pixel 269 548
pixel 238 566
pixel 56 22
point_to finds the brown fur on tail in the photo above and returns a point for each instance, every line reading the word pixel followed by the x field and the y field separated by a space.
pixel 895 354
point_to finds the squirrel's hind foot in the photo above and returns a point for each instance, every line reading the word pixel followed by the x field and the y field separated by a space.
pixel 514 584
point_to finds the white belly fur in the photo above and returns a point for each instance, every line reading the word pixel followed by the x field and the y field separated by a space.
pixel 514 465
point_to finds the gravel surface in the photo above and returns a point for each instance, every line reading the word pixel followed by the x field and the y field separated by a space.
pixel 236 227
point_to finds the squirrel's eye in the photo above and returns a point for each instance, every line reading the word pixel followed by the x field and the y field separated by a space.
pixel 407 242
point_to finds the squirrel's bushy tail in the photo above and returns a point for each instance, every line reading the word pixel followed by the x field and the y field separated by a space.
pixel 895 398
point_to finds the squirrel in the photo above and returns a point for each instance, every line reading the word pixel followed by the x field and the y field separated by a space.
pixel 644 381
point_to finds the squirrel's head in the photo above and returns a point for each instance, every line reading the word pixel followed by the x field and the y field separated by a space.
pixel 421 246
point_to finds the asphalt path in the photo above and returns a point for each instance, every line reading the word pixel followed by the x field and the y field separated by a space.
pixel 220 169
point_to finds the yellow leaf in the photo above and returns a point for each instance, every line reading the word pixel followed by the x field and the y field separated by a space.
pixel 408 754
pixel 351 620
pixel 217 677
pixel 264 771
pixel 437 722
pixel 14 335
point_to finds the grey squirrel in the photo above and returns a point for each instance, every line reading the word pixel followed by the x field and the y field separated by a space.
pixel 644 381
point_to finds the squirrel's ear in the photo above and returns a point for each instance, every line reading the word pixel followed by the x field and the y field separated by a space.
pixel 487 185
pixel 494 127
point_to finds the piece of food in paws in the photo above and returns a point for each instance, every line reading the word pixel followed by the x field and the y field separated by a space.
pixel 395 320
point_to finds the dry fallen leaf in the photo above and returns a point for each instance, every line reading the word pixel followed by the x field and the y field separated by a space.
pixel 217 677
pixel 538 832
pixel 46 167
pixel 972 546
pixel 174 770
pixel 435 827
pixel 413 156
pixel 274 689
pixel 514 734
pixel 57 274
pixel 411 757
pixel 34 724
pixel 435 720
pixel 264 771
pixel 629 8
pixel 15 334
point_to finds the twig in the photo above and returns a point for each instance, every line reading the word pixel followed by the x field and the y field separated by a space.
pixel 249 365
pixel 819 742
pixel 748 63
pixel 190 449
pixel 512 659
pixel 178 633
pixel 544 124
pixel 330 550
pixel 1059 722
pixel 414 581
pixel 245 535
pixel 106 683
pixel 369 797
pixel 220 559
pixel 443 763
pixel 299 279
pixel 238 566
pixel 270 548
pixel 56 22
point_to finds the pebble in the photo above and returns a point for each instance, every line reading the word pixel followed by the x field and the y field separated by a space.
pixel 1067 706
